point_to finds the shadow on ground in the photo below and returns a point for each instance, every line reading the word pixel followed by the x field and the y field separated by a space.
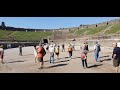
pixel 95 65
pixel 106 59
pixel 104 56
pixel 62 61
pixel 56 65
pixel 76 57
pixel 17 61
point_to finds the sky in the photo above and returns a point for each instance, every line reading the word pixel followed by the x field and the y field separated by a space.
pixel 52 22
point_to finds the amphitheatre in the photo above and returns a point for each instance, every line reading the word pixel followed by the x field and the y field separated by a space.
pixel 105 33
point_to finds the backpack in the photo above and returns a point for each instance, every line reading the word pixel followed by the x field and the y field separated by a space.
pixel 43 51
pixel 83 56
pixel 98 48
pixel 56 50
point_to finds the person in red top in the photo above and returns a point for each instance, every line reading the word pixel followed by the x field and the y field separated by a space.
pixel 40 54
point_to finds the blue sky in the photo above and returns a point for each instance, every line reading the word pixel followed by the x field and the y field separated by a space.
pixel 52 22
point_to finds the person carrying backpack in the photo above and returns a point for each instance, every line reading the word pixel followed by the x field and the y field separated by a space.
pixel 84 50
pixel 70 50
pixel 84 59
pixel 97 49
pixel 57 51
pixel 40 54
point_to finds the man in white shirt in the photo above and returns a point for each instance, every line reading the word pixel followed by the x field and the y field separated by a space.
pixel 51 50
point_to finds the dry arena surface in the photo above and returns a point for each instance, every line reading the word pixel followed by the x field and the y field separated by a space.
pixel 25 64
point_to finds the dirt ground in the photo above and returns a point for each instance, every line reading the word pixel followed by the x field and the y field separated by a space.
pixel 25 64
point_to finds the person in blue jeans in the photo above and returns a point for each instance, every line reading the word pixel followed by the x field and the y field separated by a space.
pixel 96 51
pixel 51 57
pixel 51 50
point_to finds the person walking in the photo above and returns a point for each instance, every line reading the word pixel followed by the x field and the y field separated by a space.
pixel 57 51
pixel 51 50
pixel 35 53
pixel 63 47
pixel 84 59
pixel 70 50
pixel 116 56
pixel 1 54
pixel 84 52
pixel 20 50
pixel 97 49
pixel 40 54
pixel 73 46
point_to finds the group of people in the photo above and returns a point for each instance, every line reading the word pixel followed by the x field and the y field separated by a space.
pixel 84 50
pixel 54 49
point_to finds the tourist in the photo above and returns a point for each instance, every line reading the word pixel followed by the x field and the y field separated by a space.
pixel 84 58
pixel 70 50
pixel 35 53
pixel 116 56
pixel 97 49
pixel 1 54
pixel 57 49
pixel 63 47
pixel 73 46
pixel 51 50
pixel 84 52
pixel 20 50
pixel 40 54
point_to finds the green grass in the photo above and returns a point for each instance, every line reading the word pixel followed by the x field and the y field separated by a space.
pixel 72 31
pixel 80 31
pixel 114 29
pixel 4 34
pixel 91 31
pixel 21 35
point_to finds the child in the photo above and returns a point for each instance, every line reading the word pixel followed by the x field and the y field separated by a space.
pixel 84 58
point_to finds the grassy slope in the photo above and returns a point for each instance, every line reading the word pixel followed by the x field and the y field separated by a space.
pixel 91 31
pixel 114 29
pixel 20 35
